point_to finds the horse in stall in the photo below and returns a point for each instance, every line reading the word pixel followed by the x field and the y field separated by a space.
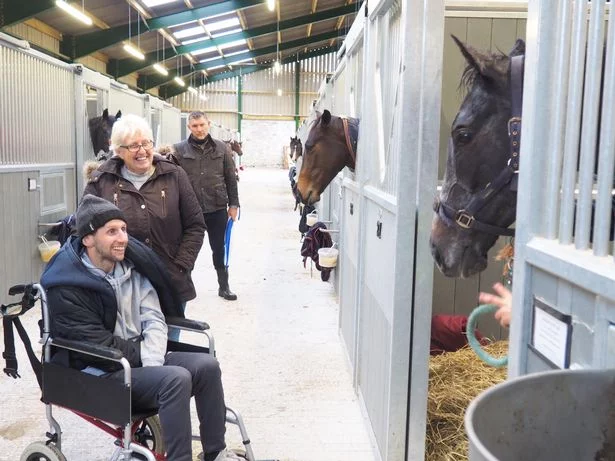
pixel 100 133
pixel 296 148
pixel 235 147
pixel 330 146
pixel 478 199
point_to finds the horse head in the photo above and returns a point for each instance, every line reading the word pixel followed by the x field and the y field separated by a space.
pixel 236 147
pixel 296 148
pixel 478 154
pixel 330 146
pixel 100 130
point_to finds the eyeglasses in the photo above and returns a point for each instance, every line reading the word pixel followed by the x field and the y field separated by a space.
pixel 135 147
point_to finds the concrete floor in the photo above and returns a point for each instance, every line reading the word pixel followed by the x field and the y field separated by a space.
pixel 282 359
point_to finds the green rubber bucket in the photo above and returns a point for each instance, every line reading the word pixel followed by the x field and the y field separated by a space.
pixel 564 415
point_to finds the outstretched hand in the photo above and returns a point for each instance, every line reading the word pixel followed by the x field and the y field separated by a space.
pixel 502 299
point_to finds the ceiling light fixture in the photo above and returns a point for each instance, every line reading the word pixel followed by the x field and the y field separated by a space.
pixel 134 51
pixel 161 69
pixel 179 81
pixel 74 12
pixel 193 90
pixel 271 5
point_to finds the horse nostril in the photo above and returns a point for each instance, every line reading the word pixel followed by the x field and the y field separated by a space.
pixel 436 255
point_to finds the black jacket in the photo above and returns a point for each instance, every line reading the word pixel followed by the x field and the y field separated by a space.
pixel 83 307
pixel 211 170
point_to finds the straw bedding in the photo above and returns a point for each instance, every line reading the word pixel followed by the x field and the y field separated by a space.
pixel 455 378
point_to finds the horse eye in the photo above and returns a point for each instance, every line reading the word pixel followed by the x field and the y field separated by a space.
pixel 462 136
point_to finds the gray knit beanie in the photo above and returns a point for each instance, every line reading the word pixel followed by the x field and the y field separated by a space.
pixel 95 212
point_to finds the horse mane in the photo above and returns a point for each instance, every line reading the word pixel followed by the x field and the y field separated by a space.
pixel 471 73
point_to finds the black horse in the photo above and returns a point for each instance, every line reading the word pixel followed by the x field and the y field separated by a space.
pixel 478 151
pixel 100 132
pixel 296 148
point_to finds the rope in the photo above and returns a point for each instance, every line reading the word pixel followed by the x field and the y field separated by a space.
pixel 473 342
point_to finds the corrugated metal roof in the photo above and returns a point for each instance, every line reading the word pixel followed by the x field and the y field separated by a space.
pixel 268 33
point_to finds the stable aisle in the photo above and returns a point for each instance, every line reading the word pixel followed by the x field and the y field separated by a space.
pixel 283 364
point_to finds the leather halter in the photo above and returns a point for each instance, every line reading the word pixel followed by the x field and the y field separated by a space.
pixel 466 217
pixel 351 144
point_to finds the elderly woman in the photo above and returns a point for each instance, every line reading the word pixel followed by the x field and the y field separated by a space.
pixel 156 197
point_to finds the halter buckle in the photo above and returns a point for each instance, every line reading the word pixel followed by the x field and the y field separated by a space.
pixel 511 121
pixel 464 219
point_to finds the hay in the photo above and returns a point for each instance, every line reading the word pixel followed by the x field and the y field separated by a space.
pixel 455 378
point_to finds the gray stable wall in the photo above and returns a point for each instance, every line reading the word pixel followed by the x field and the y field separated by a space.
pixel 264 142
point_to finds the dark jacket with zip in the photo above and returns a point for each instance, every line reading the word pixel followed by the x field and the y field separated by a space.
pixel 211 170
pixel 83 307
pixel 164 214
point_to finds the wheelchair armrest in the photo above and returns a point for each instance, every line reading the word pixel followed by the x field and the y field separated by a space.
pixel 84 347
pixel 186 324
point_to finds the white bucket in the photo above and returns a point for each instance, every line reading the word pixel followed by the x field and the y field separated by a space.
pixel 311 218
pixel 327 257
pixel 48 248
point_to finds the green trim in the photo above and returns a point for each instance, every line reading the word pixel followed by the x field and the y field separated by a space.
pixel 122 67
pixel 168 91
pixel 239 101
pixel 13 11
pixel 297 92
pixel 85 44
pixel 148 82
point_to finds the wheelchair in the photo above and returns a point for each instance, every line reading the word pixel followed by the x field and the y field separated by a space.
pixel 102 402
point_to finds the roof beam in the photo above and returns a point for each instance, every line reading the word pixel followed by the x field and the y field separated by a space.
pixel 85 44
pixel 127 66
pixel 147 82
pixel 168 91
pixel 12 12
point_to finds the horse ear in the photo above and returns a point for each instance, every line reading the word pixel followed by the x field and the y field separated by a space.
pixel 105 114
pixel 326 117
pixel 118 115
pixel 474 58
pixel 518 48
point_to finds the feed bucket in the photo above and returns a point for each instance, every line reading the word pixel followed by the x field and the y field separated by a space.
pixel 327 257
pixel 564 415
pixel 311 218
pixel 48 248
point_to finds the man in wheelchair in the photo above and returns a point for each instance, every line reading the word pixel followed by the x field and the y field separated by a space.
pixel 96 294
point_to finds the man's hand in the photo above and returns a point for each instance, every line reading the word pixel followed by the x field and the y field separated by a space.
pixel 502 299
pixel 233 213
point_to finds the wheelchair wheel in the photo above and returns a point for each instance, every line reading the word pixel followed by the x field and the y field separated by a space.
pixel 149 434
pixel 41 451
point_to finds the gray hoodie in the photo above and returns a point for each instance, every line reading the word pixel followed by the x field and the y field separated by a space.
pixel 139 314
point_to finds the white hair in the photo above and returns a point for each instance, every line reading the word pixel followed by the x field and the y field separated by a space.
pixel 129 126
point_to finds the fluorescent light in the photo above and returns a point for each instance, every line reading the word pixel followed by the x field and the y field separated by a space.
pixel 151 3
pixel 161 69
pixel 271 5
pixel 279 91
pixel 179 81
pixel 277 67
pixel 193 90
pixel 133 50
pixel 70 9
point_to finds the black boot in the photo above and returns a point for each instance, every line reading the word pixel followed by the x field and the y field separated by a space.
pixel 224 291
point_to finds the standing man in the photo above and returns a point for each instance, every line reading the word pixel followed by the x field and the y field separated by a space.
pixel 211 169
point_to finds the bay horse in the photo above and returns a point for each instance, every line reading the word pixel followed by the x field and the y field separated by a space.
pixel 331 145
pixel 479 155
pixel 100 132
